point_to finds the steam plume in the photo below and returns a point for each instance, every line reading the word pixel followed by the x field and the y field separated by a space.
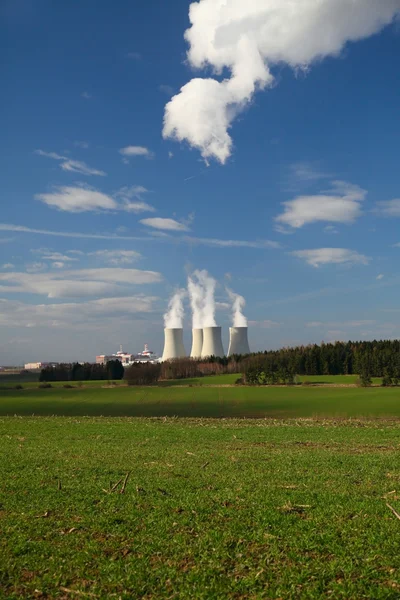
pixel 201 288
pixel 173 318
pixel 238 304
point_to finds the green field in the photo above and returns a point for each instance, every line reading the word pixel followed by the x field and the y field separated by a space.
pixel 31 381
pixel 184 401
pixel 211 509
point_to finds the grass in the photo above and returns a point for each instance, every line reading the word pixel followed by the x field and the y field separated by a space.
pixel 275 402
pixel 211 509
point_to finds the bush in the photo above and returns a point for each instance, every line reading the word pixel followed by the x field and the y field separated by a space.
pixel 68 386
pixel 19 387
pixel 45 386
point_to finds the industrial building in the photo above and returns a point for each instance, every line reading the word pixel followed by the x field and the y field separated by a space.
pixel 126 358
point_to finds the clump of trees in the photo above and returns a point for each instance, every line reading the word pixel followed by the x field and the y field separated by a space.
pixel 267 370
pixel 142 374
pixel 83 372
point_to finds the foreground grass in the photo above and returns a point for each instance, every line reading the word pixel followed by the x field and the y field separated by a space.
pixel 211 509
pixel 276 402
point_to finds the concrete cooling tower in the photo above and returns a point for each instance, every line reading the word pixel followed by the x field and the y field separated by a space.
pixel 212 342
pixel 197 343
pixel 238 341
pixel 173 345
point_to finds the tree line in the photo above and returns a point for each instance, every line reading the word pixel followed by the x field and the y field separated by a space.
pixel 113 369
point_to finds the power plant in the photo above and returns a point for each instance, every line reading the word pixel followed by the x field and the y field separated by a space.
pixel 197 343
pixel 206 335
pixel 212 342
pixel 173 344
pixel 238 341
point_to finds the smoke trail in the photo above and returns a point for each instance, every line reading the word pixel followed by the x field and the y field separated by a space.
pixel 201 287
pixel 238 304
pixel 173 318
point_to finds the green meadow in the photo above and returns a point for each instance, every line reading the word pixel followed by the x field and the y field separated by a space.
pixel 204 401
pixel 199 508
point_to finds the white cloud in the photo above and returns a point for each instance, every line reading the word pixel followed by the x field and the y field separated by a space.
pixel 7 266
pixel 68 234
pixel 86 95
pixel 390 208
pixel 73 314
pixel 326 256
pixel 58 264
pixel 77 199
pixel 380 276
pixel 77 283
pixel 341 205
pixel 130 151
pixel 167 224
pixel 248 39
pixel 117 257
pixel 74 166
pixel 82 199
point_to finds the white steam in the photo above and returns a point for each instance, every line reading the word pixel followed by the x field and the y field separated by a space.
pixel 201 288
pixel 173 318
pixel 238 304
pixel 248 38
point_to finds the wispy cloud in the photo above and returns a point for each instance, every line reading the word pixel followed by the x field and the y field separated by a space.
pixel 134 55
pixel 166 89
pixel 132 199
pixel 86 95
pixel 337 324
pixel 218 243
pixel 134 151
pixel 117 257
pixel 155 235
pixel 326 256
pixel 77 283
pixel 389 208
pixel 380 276
pixel 7 266
pixel 341 204
pixel 73 314
pixel 82 144
pixel 82 199
pixel 265 324
pixel 165 224
pixel 68 164
pixel 308 172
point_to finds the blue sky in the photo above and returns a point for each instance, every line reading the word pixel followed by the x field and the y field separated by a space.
pixel 280 180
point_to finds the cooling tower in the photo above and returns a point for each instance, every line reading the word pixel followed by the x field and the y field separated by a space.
pixel 238 341
pixel 212 342
pixel 173 345
pixel 197 343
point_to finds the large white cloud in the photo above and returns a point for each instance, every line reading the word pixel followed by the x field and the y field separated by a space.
pixel 248 38
pixel 342 204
